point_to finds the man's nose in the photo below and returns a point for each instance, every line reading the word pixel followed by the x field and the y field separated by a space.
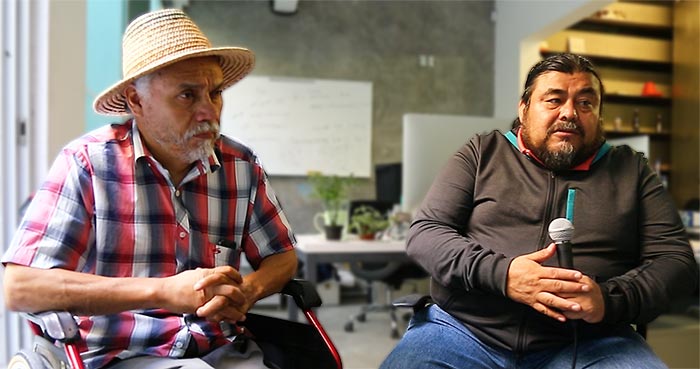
pixel 568 112
pixel 208 110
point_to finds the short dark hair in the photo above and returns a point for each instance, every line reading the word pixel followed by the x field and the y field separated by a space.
pixel 565 63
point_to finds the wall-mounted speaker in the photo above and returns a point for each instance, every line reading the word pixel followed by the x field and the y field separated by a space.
pixel 285 6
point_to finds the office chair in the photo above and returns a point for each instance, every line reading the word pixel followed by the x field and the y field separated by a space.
pixel 392 274
pixel 294 345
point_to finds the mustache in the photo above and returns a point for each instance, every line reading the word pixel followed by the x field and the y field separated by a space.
pixel 565 126
pixel 205 127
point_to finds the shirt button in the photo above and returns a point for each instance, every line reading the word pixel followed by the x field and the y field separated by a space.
pixel 183 234
pixel 177 193
pixel 179 345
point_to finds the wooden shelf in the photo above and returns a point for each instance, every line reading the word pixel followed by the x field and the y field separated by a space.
pixel 630 43
pixel 625 28
pixel 612 133
pixel 637 99
pixel 665 168
pixel 652 19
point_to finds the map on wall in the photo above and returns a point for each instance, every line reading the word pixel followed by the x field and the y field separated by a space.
pixel 299 125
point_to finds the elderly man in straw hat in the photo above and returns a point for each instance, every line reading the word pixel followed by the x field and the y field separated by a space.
pixel 140 226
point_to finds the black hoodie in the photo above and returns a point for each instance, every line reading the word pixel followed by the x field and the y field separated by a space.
pixel 491 203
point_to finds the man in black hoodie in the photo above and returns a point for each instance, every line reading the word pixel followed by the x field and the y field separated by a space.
pixel 501 299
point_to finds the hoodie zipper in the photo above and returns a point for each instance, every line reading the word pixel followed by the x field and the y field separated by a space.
pixel 547 216
pixel 551 187
pixel 570 202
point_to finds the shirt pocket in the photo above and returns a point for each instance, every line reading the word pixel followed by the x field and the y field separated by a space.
pixel 226 252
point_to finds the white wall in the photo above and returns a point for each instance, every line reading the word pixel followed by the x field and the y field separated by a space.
pixel 45 90
pixel 520 26
pixel 66 84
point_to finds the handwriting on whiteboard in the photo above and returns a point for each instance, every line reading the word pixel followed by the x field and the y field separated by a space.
pixel 298 125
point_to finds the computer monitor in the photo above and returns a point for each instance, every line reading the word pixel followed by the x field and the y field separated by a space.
pixel 388 182
pixel 429 140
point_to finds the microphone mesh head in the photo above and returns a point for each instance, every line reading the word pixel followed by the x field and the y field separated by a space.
pixel 561 230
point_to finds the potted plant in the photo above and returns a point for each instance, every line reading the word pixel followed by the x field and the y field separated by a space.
pixel 332 191
pixel 367 221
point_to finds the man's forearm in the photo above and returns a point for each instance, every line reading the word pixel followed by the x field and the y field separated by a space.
pixel 274 272
pixel 32 290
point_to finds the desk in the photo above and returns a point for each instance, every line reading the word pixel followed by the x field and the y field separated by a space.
pixel 695 244
pixel 315 249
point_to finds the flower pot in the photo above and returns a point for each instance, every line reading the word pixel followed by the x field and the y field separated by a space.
pixel 333 232
pixel 367 236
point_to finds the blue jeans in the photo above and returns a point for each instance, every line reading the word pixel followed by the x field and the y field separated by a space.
pixel 435 339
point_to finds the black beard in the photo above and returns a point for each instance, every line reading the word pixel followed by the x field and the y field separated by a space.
pixel 567 156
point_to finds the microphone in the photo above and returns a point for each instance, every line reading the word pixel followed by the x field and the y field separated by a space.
pixel 561 230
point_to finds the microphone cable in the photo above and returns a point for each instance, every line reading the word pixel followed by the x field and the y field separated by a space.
pixel 574 325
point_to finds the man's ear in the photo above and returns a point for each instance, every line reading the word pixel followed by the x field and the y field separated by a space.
pixel 133 100
pixel 522 109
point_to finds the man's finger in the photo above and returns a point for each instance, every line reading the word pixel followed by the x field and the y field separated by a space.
pixel 557 303
pixel 564 285
pixel 544 310
pixel 218 309
pixel 230 272
pixel 232 293
pixel 540 256
pixel 215 279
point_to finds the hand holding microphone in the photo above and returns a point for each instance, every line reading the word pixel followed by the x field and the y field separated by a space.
pixel 561 230
pixel 590 297
pixel 559 294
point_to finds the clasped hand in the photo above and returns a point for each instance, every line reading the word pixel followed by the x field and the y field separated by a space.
pixel 555 292
pixel 216 294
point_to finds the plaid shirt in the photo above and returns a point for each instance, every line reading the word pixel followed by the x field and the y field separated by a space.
pixel 109 208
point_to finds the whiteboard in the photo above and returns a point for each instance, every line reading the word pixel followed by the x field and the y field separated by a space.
pixel 299 125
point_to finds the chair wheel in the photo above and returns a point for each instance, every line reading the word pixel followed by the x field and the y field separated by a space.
pixel 26 360
pixel 395 333
pixel 362 317
pixel 349 327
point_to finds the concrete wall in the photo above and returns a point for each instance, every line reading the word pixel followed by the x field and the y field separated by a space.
pixel 478 64
pixel 377 41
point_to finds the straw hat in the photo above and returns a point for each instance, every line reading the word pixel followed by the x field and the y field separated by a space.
pixel 157 39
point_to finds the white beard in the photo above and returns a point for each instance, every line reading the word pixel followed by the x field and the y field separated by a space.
pixel 201 152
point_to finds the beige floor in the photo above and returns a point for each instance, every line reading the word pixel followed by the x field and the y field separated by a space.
pixel 676 339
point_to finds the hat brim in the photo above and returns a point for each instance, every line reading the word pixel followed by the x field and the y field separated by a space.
pixel 235 63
